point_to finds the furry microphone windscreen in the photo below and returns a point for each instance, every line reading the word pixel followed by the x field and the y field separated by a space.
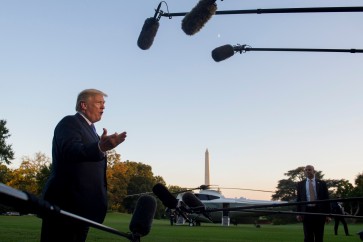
pixel 192 201
pixel 143 215
pixel 223 52
pixel 165 196
pixel 198 16
pixel 148 33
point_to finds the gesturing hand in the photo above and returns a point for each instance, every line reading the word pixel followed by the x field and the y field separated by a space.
pixel 108 142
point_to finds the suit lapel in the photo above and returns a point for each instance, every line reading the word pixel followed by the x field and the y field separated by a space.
pixel 317 187
pixel 87 127
pixel 303 189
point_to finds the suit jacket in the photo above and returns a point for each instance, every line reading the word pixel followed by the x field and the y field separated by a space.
pixel 322 194
pixel 77 183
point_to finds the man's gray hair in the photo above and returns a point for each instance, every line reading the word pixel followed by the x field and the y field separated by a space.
pixel 85 95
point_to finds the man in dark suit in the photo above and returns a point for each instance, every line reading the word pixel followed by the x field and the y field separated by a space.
pixel 311 189
pixel 78 183
pixel 337 208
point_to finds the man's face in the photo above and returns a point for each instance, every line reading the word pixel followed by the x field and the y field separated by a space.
pixel 309 172
pixel 93 108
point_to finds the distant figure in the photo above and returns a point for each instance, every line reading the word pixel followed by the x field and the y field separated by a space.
pixel 337 208
pixel 360 234
pixel 311 189
pixel 78 183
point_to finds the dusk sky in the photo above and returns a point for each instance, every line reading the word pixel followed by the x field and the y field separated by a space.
pixel 260 114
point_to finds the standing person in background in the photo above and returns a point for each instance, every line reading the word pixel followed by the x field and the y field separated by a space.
pixel 78 183
pixel 337 208
pixel 311 189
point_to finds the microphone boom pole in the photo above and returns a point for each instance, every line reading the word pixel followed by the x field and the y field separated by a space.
pixel 28 203
pixel 278 10
pixel 245 48
pixel 225 51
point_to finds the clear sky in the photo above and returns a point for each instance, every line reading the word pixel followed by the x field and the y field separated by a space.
pixel 259 114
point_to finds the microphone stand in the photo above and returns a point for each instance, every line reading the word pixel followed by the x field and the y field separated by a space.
pixel 278 10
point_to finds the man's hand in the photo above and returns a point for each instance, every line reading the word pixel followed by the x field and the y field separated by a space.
pixel 108 142
pixel 299 218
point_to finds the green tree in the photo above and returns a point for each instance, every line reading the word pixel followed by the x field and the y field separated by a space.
pixel 357 191
pixel 339 188
pixel 117 180
pixel 42 176
pixel 26 177
pixel 137 185
pixel 6 151
pixel 286 188
pixel 176 189
pixel 127 178
pixel 5 174
pixel 140 180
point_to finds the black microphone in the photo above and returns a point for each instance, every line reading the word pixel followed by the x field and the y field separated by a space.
pixel 142 218
pixel 198 16
pixel 170 201
pixel 196 205
pixel 148 31
pixel 223 52
pixel 165 196
pixel 193 202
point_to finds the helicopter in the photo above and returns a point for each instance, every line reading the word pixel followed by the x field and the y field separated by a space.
pixel 213 199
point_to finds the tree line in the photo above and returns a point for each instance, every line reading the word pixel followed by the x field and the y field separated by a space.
pixel 123 178
pixel 127 178
pixel 338 188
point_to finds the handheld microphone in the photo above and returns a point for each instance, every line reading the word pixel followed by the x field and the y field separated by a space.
pixel 198 16
pixel 143 216
pixel 165 196
pixel 223 52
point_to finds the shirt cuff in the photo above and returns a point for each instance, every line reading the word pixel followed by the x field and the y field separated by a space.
pixel 99 147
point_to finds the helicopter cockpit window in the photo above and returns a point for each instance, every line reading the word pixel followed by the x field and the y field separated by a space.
pixel 206 197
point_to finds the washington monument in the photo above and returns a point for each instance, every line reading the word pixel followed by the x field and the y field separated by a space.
pixel 206 169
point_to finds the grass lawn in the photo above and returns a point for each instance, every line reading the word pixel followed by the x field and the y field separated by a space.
pixel 27 229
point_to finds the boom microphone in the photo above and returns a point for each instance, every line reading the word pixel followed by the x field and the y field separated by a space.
pixel 192 201
pixel 195 204
pixel 149 30
pixel 223 52
pixel 148 33
pixel 198 16
pixel 165 196
pixel 143 216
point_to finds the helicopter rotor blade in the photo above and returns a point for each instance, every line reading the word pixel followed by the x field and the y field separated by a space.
pixel 247 189
pixel 139 194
